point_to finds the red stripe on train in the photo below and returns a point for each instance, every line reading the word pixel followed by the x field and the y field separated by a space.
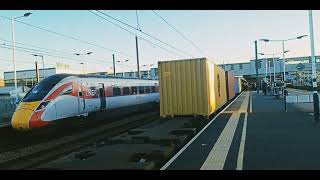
pixel 36 122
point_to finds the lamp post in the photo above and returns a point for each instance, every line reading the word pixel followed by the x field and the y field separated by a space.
pixel 13 53
pixel 314 73
pixel 283 57
pixel 124 63
pixel 148 71
pixel 83 63
pixel 274 65
pixel 122 68
pixel 44 74
pixel 82 67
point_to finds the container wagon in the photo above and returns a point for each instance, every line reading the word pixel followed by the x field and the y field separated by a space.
pixel 231 87
pixel 239 84
pixel 191 87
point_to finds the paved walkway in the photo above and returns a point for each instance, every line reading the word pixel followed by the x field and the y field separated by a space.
pixel 254 132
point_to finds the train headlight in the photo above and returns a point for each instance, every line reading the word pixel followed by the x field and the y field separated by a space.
pixel 43 105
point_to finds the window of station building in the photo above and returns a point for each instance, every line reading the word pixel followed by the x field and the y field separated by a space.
pixel 126 91
pixel 240 66
pixel 232 67
pixel 141 89
pixel 147 89
pixel 116 91
pixel 134 90
pixel 153 89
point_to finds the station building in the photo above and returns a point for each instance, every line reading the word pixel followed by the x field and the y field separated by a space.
pixel 28 77
pixel 149 74
pixel 298 69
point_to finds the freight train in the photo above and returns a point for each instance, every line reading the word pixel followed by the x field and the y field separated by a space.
pixel 62 96
pixel 195 87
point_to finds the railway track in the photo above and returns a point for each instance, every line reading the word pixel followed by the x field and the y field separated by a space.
pixel 31 156
pixel 14 140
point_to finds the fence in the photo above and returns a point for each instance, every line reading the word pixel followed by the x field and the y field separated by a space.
pixel 7 107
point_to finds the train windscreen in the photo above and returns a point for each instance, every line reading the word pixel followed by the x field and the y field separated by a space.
pixel 39 91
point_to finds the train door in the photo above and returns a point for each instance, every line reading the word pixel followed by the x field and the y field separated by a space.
pixel 102 96
pixel 81 99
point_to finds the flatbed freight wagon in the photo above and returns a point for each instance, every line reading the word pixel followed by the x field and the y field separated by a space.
pixel 191 87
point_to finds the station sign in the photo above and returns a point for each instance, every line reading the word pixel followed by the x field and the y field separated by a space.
pixel 300 66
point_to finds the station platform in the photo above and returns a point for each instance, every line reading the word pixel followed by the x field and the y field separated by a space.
pixel 253 133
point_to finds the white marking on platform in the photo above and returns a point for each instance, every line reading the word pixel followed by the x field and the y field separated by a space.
pixel 242 143
pixel 196 136
pixel 218 155
pixel 250 103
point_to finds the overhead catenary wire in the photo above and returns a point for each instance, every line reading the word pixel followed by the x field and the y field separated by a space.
pixel 69 37
pixel 32 49
pixel 28 62
pixel 153 37
pixel 52 66
pixel 135 34
pixel 181 34
pixel 41 51
pixel 21 49
pixel 26 44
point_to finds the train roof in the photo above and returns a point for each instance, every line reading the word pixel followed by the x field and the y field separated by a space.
pixel 62 76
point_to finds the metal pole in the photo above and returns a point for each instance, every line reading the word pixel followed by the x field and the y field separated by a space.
pixel 284 69
pixel 122 68
pixel 314 73
pixel 256 51
pixel 274 70
pixel 14 60
pixel 266 74
pixel 137 50
pixel 37 72
pixel 114 66
pixel 284 63
pixel 269 62
pixel 44 73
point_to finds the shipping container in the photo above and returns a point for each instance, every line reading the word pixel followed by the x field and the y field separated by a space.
pixel 191 87
pixel 238 85
pixel 230 82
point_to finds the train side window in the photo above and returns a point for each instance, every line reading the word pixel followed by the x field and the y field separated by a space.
pixel 126 91
pixel 116 91
pixel 134 90
pixel 67 90
pixel 141 89
pixel 147 89
pixel 153 89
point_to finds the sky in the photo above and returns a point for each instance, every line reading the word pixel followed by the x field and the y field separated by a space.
pixel 222 35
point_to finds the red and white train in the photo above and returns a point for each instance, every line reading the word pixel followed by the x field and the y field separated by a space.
pixel 65 95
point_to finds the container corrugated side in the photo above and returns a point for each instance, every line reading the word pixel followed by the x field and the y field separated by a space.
pixel 237 86
pixel 220 90
pixel 183 87
pixel 231 85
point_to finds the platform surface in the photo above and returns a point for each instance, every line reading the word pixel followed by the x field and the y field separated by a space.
pixel 253 133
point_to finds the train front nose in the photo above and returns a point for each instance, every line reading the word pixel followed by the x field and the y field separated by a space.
pixel 21 119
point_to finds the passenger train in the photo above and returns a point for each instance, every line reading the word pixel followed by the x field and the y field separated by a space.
pixel 68 95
